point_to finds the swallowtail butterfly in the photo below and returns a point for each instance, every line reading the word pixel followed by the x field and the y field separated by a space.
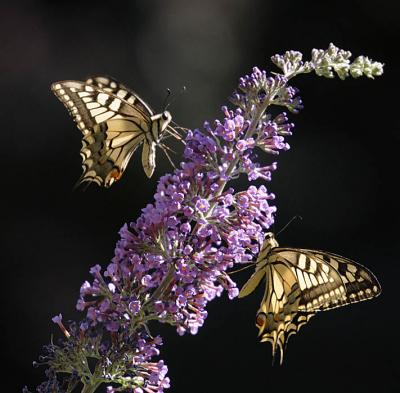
pixel 114 121
pixel 301 282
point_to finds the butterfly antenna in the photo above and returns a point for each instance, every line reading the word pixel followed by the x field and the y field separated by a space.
pixel 293 218
pixel 164 149
pixel 172 132
pixel 167 148
pixel 174 99
pixel 165 104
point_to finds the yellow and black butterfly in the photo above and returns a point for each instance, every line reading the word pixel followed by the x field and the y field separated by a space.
pixel 301 282
pixel 114 121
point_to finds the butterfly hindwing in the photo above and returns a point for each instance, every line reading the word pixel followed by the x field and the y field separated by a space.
pixel 279 317
pixel 106 151
pixel 252 283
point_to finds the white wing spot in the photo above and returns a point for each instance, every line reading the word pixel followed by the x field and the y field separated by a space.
pixel 300 279
pixel 83 94
pixel 122 93
pixel 302 261
pixel 98 111
pixel 115 104
pixel 92 105
pixel 313 265
pixel 104 117
pixel 102 98
pixel 351 268
pixel 314 280
pixel 334 264
pixel 308 281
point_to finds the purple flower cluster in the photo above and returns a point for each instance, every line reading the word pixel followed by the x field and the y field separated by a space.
pixel 260 89
pixel 190 235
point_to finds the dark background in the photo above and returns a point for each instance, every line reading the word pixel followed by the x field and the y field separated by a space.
pixel 341 176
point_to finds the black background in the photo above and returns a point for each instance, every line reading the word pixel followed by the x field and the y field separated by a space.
pixel 341 176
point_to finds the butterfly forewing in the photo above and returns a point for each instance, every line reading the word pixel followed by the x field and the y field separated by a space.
pixel 319 282
pixel 115 87
pixel 359 282
pixel 90 105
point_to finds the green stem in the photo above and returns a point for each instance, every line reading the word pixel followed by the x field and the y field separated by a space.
pixel 164 285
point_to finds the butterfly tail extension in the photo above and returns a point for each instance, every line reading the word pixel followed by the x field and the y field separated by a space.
pixel 175 133
pixel 165 149
pixel 276 345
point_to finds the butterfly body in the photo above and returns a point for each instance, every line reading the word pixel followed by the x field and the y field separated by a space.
pixel 300 283
pixel 114 121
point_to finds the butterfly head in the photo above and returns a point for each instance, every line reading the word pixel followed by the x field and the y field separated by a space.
pixel 161 121
pixel 270 241
pixel 165 120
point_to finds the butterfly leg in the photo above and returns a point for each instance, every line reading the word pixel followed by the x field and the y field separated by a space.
pixel 164 148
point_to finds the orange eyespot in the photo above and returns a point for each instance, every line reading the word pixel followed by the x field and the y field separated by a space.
pixel 260 319
pixel 115 174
